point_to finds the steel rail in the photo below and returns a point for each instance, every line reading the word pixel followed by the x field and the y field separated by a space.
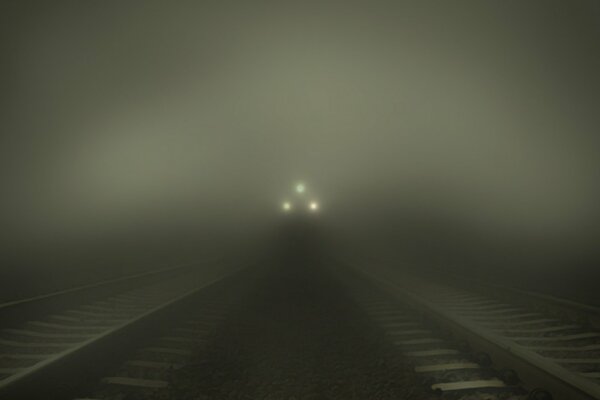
pixel 81 288
pixel 20 383
pixel 535 370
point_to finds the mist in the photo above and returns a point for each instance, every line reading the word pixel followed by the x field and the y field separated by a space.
pixel 307 200
pixel 467 126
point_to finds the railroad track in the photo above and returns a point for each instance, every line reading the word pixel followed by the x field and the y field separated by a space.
pixel 58 351
pixel 488 342
pixel 149 369
pixel 462 343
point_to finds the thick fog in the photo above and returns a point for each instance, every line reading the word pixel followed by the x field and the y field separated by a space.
pixel 462 122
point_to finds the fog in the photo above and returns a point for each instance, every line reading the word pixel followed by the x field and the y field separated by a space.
pixel 465 125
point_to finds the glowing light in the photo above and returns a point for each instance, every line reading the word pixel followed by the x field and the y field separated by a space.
pixel 287 206
pixel 313 206
pixel 300 188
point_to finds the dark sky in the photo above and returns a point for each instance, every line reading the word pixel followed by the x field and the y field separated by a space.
pixel 119 113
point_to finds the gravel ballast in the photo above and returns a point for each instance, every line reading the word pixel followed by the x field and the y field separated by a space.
pixel 296 336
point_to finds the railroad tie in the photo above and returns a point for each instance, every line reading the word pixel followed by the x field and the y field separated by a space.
pixel 469 385
pixel 136 382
